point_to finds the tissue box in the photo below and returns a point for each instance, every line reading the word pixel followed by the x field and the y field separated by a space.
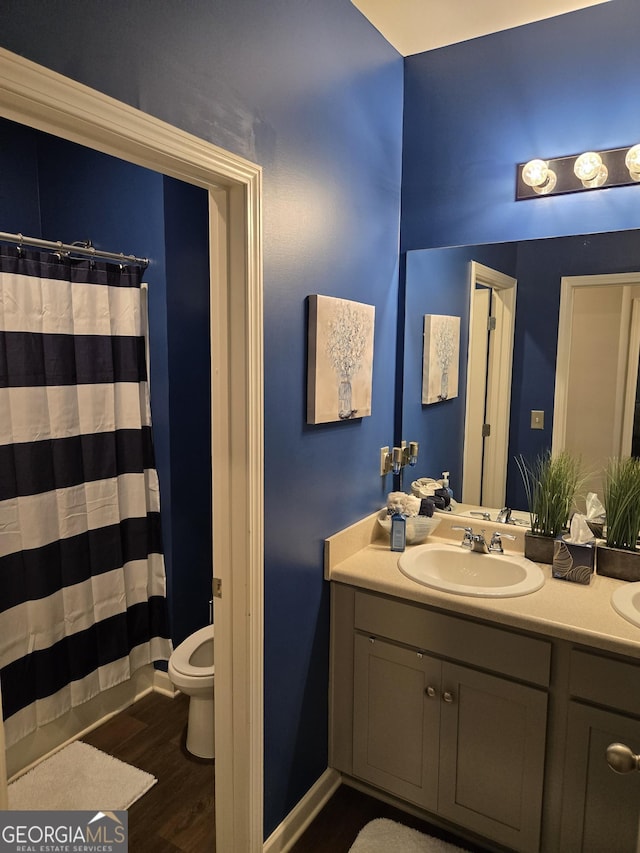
pixel 573 562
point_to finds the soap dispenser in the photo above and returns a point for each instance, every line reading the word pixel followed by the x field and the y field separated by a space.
pixel 445 484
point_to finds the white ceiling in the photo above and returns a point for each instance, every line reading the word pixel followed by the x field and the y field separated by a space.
pixel 413 26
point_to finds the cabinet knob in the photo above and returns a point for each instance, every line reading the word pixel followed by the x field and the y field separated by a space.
pixel 430 691
pixel 448 697
pixel 621 759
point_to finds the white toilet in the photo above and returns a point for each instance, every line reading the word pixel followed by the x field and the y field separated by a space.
pixel 191 670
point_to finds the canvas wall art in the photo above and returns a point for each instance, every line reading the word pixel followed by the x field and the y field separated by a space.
pixel 440 358
pixel 340 359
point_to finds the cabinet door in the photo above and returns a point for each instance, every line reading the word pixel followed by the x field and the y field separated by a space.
pixel 396 713
pixel 493 734
pixel 601 808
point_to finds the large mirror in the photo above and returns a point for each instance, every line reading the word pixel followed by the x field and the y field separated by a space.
pixel 589 410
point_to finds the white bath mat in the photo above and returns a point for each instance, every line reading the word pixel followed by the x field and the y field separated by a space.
pixel 384 836
pixel 79 777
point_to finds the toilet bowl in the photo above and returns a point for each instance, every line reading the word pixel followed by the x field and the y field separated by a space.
pixel 191 670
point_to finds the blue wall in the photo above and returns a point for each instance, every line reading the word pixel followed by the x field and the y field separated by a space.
pixel 474 110
pixel 19 180
pixel 186 234
pixel 313 93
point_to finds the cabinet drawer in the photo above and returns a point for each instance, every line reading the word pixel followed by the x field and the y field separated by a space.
pixel 606 681
pixel 491 648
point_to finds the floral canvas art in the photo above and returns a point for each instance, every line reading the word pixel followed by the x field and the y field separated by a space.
pixel 440 358
pixel 340 359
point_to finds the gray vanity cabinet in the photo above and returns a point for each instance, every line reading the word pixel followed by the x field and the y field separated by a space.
pixel 416 713
pixel 492 746
pixel 396 700
pixel 601 809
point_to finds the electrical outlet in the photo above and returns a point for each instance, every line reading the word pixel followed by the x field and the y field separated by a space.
pixel 384 461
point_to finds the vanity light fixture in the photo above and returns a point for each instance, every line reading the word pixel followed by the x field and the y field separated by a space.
pixel 392 461
pixel 614 167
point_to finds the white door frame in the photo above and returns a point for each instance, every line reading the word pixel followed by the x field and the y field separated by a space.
pixel 40 98
pixel 633 357
pixel 498 384
pixel 568 286
pixel 475 415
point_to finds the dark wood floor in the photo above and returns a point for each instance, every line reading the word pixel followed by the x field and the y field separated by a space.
pixel 336 827
pixel 177 814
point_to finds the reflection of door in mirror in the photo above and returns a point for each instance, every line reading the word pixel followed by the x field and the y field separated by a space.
pixel 597 370
pixel 635 430
pixel 490 356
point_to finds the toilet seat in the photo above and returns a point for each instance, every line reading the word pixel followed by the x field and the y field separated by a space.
pixel 182 654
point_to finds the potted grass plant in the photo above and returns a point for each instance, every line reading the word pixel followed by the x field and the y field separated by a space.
pixel 618 558
pixel 550 484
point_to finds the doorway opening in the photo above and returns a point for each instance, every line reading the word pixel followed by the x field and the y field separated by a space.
pixel 39 98
pixel 492 313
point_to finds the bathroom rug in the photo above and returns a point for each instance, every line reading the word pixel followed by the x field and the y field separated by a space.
pixel 384 836
pixel 79 777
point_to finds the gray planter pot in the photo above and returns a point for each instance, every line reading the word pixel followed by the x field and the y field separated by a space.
pixel 538 548
pixel 618 563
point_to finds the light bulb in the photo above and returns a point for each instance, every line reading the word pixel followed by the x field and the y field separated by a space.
pixel 632 162
pixel 537 175
pixel 549 185
pixel 534 173
pixel 590 169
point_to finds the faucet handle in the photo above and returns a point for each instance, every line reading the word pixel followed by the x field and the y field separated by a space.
pixel 504 516
pixel 467 539
pixel 496 542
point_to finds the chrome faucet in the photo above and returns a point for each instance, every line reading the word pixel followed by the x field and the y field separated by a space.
pixel 495 546
pixel 482 514
pixel 504 516
pixel 476 542
pixel 473 541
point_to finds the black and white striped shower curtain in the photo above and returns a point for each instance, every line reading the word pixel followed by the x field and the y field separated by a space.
pixel 82 579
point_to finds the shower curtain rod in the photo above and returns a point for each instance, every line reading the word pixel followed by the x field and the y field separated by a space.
pixel 71 248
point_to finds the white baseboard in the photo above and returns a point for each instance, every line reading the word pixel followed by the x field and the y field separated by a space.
pixel 287 833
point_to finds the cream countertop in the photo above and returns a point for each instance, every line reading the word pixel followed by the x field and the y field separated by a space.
pixel 360 556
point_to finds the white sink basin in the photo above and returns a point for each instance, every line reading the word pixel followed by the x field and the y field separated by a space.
pixel 452 568
pixel 626 602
